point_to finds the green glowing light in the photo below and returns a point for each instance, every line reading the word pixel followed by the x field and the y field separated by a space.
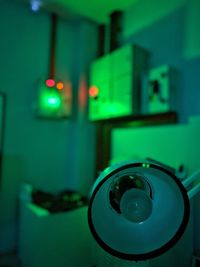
pixel 49 100
pixel 53 101
pixel 145 165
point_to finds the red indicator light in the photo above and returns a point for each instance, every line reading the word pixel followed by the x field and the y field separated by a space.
pixel 50 83
pixel 93 91
pixel 59 86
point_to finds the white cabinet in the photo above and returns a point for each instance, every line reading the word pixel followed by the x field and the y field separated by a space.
pixel 118 79
pixel 54 240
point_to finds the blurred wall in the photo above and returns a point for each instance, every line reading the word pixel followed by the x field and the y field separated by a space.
pixel 51 155
pixel 169 30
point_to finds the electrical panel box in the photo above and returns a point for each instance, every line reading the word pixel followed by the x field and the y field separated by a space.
pixel 116 81
pixel 54 100
pixel 161 89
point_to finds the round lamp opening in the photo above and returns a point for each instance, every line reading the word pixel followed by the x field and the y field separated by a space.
pixel 133 188
pixel 132 207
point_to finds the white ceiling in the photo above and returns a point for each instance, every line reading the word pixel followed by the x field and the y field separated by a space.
pixel 96 10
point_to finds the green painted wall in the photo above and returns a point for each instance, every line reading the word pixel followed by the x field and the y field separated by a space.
pixel 144 14
pixel 192 25
pixel 47 154
pixel 169 30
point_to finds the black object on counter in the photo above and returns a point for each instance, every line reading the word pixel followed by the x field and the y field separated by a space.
pixel 64 201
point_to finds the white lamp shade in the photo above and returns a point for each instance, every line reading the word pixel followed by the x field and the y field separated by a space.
pixel 148 220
